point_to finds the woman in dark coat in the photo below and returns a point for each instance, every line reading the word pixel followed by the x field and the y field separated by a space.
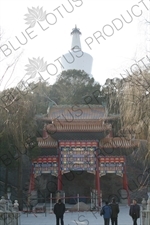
pixel 134 211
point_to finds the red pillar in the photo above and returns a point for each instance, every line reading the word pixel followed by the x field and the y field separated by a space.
pixel 97 183
pixel 59 180
pixel 125 184
pixel 32 181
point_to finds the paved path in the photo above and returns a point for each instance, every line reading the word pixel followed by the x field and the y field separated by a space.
pixel 75 218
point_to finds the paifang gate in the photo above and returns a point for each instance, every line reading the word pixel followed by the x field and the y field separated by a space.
pixel 81 139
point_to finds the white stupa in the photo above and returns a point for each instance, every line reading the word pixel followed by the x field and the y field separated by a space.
pixel 76 58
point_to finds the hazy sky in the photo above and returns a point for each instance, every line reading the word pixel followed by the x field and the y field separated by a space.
pixel 120 23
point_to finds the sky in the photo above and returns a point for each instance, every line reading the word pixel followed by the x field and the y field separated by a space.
pixel 121 25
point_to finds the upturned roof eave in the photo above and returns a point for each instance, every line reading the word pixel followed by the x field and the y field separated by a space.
pixel 47 119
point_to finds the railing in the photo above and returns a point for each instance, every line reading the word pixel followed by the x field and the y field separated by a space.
pixel 8 217
pixel 74 203
pixel 9 214
pixel 145 212
pixel 92 201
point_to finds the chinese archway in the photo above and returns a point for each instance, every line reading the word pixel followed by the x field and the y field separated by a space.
pixel 74 138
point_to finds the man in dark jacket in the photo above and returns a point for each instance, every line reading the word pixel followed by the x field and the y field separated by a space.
pixel 115 210
pixel 134 211
pixel 59 210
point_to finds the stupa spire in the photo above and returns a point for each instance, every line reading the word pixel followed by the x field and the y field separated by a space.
pixel 76 38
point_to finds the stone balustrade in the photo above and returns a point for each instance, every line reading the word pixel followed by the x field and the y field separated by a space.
pixel 145 212
pixel 9 214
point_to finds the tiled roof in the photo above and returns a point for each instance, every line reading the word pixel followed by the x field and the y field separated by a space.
pixel 118 142
pixel 86 126
pixel 76 112
pixel 48 142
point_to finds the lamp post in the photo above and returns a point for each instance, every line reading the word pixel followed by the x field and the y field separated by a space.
pixel 148 193
pixel 148 189
pixel 146 207
pixel 8 194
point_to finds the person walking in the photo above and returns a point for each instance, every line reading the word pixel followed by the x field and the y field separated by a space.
pixel 59 210
pixel 115 210
pixel 106 212
pixel 134 211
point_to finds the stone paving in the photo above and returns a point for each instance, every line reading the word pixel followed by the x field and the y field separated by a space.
pixel 75 218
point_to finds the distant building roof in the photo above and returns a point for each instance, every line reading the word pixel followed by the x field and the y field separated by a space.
pixel 76 112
